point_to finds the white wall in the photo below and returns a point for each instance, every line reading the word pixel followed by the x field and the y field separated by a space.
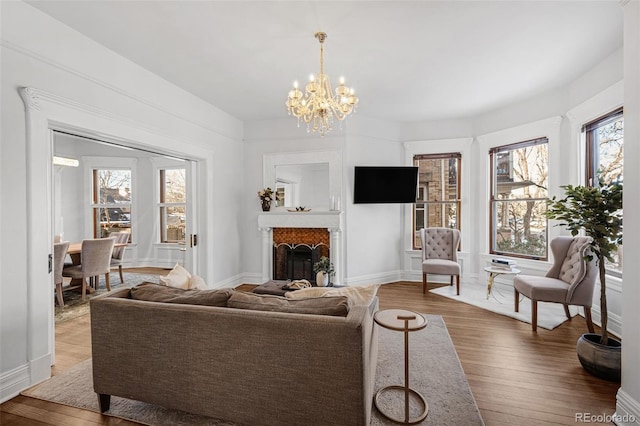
pixel 628 398
pixel 374 232
pixel 112 95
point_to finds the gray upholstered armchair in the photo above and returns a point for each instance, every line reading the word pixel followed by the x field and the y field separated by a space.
pixel 440 254
pixel 570 280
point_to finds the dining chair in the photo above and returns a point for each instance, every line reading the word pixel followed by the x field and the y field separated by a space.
pixel 95 260
pixel 118 252
pixel 440 254
pixel 59 253
pixel 570 281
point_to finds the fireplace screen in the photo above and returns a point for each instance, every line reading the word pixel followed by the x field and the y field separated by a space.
pixel 295 261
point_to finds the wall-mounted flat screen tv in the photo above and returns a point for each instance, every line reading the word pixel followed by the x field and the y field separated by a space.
pixel 385 184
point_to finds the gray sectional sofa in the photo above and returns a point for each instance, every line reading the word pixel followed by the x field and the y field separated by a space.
pixel 250 364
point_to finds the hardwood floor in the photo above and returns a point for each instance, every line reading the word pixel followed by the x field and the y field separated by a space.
pixel 516 376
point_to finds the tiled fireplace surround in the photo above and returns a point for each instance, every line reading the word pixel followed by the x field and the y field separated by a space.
pixel 301 228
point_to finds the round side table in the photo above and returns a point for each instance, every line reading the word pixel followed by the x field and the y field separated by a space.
pixel 494 272
pixel 405 321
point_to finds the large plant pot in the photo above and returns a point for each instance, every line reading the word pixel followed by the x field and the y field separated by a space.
pixel 603 361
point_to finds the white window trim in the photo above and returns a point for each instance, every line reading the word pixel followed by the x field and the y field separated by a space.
pixel 158 164
pixel 91 163
pixel 604 102
pixel 439 146
pixel 549 128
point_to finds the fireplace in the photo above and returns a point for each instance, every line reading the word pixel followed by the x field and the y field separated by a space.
pixel 292 242
pixel 296 250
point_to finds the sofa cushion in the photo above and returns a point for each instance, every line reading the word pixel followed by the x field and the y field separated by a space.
pixel 360 295
pixel 160 293
pixel 335 306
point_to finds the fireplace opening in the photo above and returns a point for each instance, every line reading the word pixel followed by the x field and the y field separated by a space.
pixel 295 261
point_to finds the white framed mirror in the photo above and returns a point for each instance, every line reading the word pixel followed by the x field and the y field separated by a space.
pixel 305 179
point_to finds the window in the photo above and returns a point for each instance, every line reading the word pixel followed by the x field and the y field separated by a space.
pixel 605 143
pixel 111 204
pixel 172 205
pixel 438 196
pixel 519 199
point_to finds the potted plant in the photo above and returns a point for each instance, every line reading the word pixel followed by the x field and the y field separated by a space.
pixel 598 211
pixel 323 269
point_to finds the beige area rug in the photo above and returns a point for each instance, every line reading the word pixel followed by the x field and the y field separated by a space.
pixel 435 372
pixel 75 307
pixel 550 315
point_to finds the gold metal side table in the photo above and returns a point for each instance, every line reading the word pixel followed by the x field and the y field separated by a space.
pixel 405 321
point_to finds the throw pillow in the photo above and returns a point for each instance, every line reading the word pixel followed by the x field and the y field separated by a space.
pixel 178 277
pixel 181 278
pixel 335 306
pixel 197 283
pixel 355 295
pixel 160 293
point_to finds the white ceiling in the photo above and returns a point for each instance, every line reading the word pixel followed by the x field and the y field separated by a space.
pixel 408 60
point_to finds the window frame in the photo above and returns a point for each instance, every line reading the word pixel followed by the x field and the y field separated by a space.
pixel 588 131
pixel 457 156
pixel 161 170
pixel 493 151
pixel 96 206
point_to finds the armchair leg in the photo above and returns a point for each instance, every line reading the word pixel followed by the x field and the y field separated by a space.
pixel 457 284
pixel 566 311
pixel 106 279
pixel 120 271
pixel 451 280
pixel 587 316
pixel 516 300
pixel 534 315
pixel 424 283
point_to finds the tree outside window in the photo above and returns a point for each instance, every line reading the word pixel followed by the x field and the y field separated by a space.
pixel 172 205
pixel 111 201
pixel 519 199
pixel 438 195
pixel 605 157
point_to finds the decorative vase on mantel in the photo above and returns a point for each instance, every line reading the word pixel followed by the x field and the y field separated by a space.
pixel 266 205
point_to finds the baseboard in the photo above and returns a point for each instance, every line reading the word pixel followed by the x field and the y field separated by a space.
pixel 384 278
pixel 627 410
pixel 234 281
pixel 614 323
pixel 15 381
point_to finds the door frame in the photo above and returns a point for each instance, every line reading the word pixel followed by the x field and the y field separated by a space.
pixel 45 111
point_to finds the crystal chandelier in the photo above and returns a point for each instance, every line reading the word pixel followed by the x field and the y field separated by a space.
pixel 318 105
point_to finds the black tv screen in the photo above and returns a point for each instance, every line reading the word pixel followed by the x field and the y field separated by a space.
pixel 385 184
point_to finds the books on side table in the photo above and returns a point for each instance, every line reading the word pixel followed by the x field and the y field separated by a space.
pixel 501 263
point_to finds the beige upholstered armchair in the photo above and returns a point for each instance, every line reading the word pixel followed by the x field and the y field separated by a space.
pixel 440 254
pixel 570 280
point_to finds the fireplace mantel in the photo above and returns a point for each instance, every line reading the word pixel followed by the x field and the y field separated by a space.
pixel 329 219
pixel 281 218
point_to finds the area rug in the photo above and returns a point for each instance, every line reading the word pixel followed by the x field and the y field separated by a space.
pixel 550 315
pixel 435 372
pixel 75 307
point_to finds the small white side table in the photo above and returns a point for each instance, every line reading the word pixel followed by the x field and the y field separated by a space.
pixel 494 272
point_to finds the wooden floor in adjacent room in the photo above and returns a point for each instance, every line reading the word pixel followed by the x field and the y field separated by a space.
pixel 517 377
